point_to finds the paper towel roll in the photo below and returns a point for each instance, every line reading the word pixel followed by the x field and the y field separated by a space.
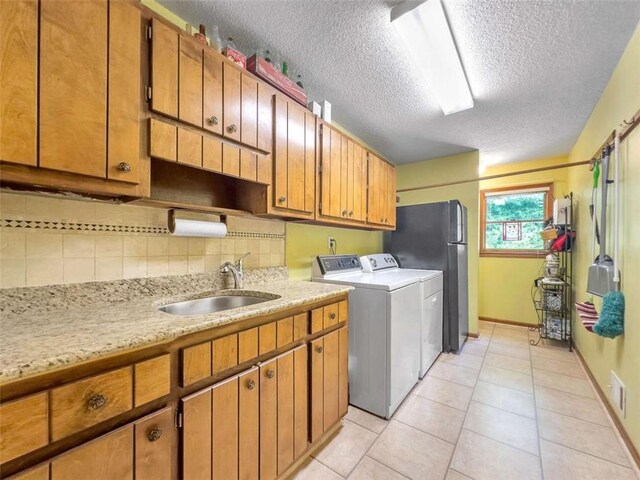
pixel 196 228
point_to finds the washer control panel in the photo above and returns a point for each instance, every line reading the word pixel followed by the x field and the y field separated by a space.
pixel 378 261
pixel 338 263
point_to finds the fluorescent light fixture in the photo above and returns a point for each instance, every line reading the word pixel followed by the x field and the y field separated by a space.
pixel 425 30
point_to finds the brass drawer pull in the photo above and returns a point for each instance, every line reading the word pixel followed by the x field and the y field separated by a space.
pixel 96 402
pixel 232 128
pixel 154 434
pixel 344 213
pixel 251 384
pixel 351 213
pixel 332 315
pixel 282 199
pixel 213 120
pixel 319 349
pixel 124 167
pixel 271 374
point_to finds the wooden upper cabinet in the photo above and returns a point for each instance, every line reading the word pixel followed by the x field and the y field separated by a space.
pixel 231 101
pixel 294 157
pixel 359 184
pixel 190 82
pixel 332 174
pixel 18 81
pixel 249 115
pixel 164 69
pixel 266 94
pixel 123 161
pixel 381 192
pixel 73 86
pixel 212 92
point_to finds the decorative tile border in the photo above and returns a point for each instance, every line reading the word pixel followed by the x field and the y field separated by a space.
pixel 101 227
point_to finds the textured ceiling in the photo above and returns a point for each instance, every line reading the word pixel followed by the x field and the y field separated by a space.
pixel 536 68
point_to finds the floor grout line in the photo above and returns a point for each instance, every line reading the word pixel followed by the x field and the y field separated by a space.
pixel 588 454
pixel 535 408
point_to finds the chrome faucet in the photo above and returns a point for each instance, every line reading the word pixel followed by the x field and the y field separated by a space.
pixel 236 269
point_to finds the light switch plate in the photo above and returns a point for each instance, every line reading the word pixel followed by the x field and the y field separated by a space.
pixel 618 394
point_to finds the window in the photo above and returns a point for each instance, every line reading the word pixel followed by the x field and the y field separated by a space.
pixel 512 219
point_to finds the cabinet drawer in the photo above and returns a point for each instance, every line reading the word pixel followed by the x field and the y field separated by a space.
pixel 267 338
pixel 329 315
pixel 225 353
pixel 23 426
pixel 196 363
pixel 82 404
pixel 163 141
pixel 152 379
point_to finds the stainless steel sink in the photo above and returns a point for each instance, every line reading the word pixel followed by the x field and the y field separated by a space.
pixel 213 304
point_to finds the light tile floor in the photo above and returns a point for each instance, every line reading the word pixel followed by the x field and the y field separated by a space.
pixel 500 409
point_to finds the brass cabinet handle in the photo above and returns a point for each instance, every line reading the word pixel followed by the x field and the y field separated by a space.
pixel 96 402
pixel 213 120
pixel 232 128
pixel 351 213
pixel 154 434
pixel 271 374
pixel 344 213
pixel 124 167
pixel 332 316
pixel 319 349
pixel 251 384
pixel 282 199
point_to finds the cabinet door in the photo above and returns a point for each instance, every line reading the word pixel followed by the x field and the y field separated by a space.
pixel 249 94
pixel 18 81
pixel 231 101
pixel 391 182
pixel 292 406
pixel 197 435
pixel 105 458
pixel 329 381
pixel 212 92
pixel 280 153
pixel 349 181
pixel 269 420
pixel 359 183
pixel 265 116
pixel 249 425
pixel 310 162
pixel 164 69
pixel 295 158
pixel 224 456
pixel 375 192
pixel 153 444
pixel 123 162
pixel 190 82
pixel 344 178
pixel 73 86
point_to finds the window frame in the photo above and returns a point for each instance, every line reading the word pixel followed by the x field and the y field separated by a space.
pixel 515 253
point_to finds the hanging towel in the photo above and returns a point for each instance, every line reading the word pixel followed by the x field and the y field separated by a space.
pixel 611 320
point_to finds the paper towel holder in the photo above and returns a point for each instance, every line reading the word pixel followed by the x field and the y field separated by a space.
pixel 171 220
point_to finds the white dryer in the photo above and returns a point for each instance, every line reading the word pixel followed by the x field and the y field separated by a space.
pixel 385 312
pixel 431 284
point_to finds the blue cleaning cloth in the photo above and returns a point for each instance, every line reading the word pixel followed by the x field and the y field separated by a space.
pixel 611 322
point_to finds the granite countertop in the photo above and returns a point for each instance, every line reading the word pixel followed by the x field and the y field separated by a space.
pixel 33 342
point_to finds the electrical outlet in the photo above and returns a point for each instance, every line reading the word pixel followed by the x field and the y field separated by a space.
pixel 331 243
pixel 618 394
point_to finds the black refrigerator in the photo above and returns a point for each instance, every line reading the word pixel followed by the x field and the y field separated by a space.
pixel 433 236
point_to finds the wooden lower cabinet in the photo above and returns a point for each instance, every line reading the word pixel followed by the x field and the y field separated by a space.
pixel 252 425
pixel 329 381
pixel 141 450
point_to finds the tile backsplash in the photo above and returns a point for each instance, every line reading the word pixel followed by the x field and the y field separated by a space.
pixel 46 240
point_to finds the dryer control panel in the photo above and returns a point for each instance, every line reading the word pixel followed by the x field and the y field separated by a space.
pixel 378 261
pixel 328 264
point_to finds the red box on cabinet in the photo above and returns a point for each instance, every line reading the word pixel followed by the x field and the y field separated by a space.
pixel 267 72
pixel 236 57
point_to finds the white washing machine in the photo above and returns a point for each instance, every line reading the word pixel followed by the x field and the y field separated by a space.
pixel 385 312
pixel 431 284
